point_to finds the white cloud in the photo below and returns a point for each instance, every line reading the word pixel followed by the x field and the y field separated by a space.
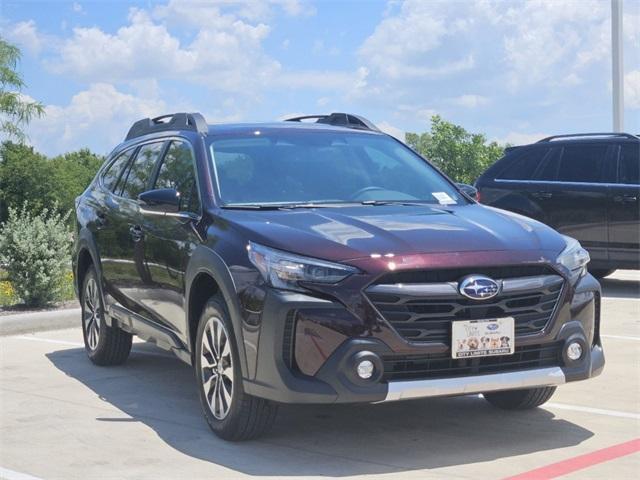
pixel 76 7
pixel 470 101
pixel 98 117
pixel 228 54
pixel 632 89
pixel 400 45
pixel 547 40
pixel 26 36
pixel 392 130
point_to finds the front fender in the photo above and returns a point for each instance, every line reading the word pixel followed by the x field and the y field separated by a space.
pixel 206 261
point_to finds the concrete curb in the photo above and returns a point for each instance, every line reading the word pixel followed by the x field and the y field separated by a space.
pixel 39 321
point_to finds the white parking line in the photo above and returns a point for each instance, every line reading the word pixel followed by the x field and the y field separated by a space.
pixel 7 474
pixel 78 344
pixel 621 337
pixel 596 411
pixel 624 299
pixel 50 340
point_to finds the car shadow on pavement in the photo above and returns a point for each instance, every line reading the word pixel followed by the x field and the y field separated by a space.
pixel 620 287
pixel 334 440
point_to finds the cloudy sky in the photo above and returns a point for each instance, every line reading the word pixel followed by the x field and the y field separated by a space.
pixel 515 70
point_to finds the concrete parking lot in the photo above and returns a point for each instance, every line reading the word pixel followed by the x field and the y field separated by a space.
pixel 62 417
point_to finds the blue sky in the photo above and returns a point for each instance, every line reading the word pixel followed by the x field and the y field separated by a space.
pixel 514 70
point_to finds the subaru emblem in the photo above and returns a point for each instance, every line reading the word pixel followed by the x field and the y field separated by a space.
pixel 478 287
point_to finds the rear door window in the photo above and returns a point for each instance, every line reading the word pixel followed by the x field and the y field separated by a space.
pixel 112 173
pixel 629 164
pixel 582 163
pixel 523 166
pixel 177 172
pixel 141 169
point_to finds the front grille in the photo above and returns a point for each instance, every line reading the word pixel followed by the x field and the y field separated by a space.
pixel 427 316
pixel 441 365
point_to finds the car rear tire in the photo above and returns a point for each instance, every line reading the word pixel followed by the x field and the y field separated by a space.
pixel 601 272
pixel 230 412
pixel 520 399
pixel 104 345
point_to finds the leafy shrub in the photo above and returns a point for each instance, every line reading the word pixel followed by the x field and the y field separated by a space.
pixel 35 249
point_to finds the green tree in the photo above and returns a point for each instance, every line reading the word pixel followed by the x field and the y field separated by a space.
pixel 71 173
pixel 28 176
pixel 25 176
pixel 463 156
pixel 15 110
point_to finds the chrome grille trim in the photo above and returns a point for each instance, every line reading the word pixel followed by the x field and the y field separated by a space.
pixel 450 289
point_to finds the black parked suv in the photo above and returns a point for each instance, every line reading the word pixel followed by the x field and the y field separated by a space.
pixel 323 262
pixel 586 186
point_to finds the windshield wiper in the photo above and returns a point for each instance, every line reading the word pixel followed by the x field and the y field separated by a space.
pixel 408 203
pixel 274 206
pixel 251 206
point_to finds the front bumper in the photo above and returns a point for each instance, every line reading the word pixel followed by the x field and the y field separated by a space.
pixel 315 362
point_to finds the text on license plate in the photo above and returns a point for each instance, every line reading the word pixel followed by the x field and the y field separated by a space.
pixel 482 338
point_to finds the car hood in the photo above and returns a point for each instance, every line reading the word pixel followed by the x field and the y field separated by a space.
pixel 347 233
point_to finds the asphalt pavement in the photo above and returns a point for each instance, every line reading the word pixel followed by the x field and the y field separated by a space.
pixel 61 417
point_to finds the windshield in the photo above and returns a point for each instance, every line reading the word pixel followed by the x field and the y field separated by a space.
pixel 317 167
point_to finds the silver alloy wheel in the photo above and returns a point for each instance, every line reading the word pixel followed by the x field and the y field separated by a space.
pixel 216 368
pixel 92 313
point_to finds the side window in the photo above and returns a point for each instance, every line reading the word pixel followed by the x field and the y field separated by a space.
pixel 522 167
pixel 177 171
pixel 582 163
pixel 629 165
pixel 141 169
pixel 112 173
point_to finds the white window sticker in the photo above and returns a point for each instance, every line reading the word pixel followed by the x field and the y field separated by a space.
pixel 443 198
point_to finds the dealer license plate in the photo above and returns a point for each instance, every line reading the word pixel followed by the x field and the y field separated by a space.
pixel 482 338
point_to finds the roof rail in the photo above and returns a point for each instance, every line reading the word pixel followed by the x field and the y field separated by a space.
pixel 578 135
pixel 172 121
pixel 348 120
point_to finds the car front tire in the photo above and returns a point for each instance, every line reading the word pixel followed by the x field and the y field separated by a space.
pixel 230 412
pixel 600 273
pixel 104 345
pixel 520 399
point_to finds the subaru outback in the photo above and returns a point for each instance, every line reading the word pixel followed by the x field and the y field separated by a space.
pixel 318 260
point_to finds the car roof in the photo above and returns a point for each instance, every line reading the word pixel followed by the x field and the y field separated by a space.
pixel 580 138
pixel 245 128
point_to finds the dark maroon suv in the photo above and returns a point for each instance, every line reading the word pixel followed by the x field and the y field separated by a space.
pixel 323 262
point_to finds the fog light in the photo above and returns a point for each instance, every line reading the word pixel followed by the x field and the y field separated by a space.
pixel 365 369
pixel 574 351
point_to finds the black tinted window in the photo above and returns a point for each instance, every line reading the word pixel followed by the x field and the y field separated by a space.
pixel 177 171
pixel 629 166
pixel 141 169
pixel 522 166
pixel 582 163
pixel 112 173
pixel 292 166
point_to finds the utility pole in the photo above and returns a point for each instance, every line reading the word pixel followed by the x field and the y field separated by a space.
pixel 617 64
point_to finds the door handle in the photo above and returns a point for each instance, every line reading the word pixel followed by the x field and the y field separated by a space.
pixel 136 233
pixel 542 195
pixel 625 198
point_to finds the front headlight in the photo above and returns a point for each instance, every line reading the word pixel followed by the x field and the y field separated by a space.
pixel 574 258
pixel 285 270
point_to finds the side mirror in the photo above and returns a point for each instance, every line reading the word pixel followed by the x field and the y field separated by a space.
pixel 468 190
pixel 161 200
